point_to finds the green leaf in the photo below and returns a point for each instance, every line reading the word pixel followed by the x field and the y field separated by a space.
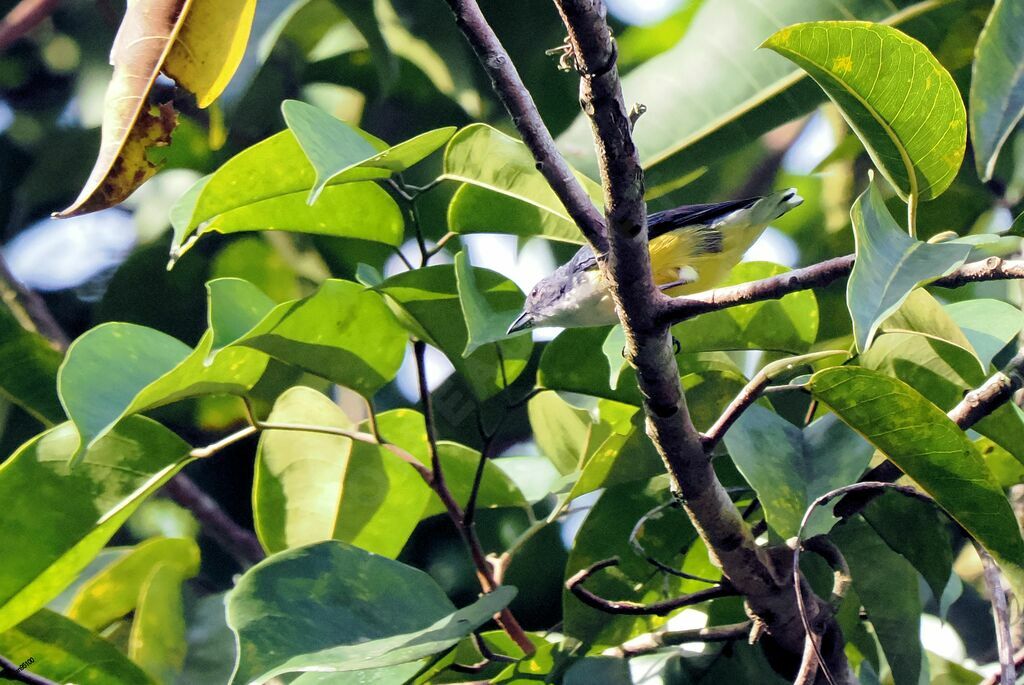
pixel 503 191
pixel 64 652
pixel 559 429
pixel 336 150
pixel 997 84
pixel 211 645
pixel 989 325
pixel 896 96
pixel 28 370
pixel 157 639
pixel 919 438
pixel 943 373
pixel 265 187
pixel 742 92
pixel 890 264
pixel 330 607
pixel 343 332
pixel 114 592
pixel 483 325
pixel 928 549
pixel 459 464
pixel 119 369
pixel 428 303
pixel 60 518
pixel 560 367
pixel 790 468
pixel 310 486
pixel 887 586
pixel 786 325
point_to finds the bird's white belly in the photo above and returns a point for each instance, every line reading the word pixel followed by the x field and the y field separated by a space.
pixel 587 304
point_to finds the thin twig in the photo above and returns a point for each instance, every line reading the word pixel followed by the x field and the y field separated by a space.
pixel 651 642
pixel 239 541
pixel 29 308
pixel 1000 615
pixel 634 542
pixel 997 677
pixel 226 441
pixel 24 17
pixel 751 391
pixel 611 606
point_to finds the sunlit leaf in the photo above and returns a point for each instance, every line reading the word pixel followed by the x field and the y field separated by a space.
pixel 895 95
pixel 559 429
pixel 300 610
pixel 990 325
pixel 157 639
pixel 997 84
pixel 334 148
pixel 890 264
pixel 64 652
pixel 503 191
pixel 199 43
pixel 312 486
pixel 113 593
pixel 342 332
pixel 459 464
pixel 265 187
pixel 427 301
pixel 118 369
pixel 919 438
pixel 59 518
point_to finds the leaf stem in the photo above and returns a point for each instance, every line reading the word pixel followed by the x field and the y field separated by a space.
pixel 912 202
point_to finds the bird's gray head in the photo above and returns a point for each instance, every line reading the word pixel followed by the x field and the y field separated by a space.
pixel 540 303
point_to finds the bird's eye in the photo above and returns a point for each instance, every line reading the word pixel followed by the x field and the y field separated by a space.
pixel 533 293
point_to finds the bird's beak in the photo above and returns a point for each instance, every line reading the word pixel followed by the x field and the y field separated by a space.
pixel 522 322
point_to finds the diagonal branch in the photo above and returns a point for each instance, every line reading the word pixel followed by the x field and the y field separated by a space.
pixel 651 642
pixel 521 107
pixel 24 17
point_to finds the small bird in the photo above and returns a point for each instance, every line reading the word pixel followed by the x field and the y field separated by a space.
pixel 692 249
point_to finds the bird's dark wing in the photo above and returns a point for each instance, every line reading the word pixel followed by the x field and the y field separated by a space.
pixel 660 223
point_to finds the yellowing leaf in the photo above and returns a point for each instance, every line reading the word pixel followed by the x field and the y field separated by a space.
pixel 199 43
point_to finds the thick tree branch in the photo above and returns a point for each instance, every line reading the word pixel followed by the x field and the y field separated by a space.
pixel 816 276
pixel 651 642
pixel 521 107
pixel 612 606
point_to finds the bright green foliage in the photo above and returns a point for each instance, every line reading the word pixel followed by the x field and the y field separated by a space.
pixel 64 650
pixel 289 613
pixel 341 153
pixel 113 593
pixel 929 448
pixel 60 518
pixel 911 120
pixel 502 190
pixel 997 84
pixel 388 495
pixel 312 486
pixel 427 301
pixel 786 325
pixel 889 265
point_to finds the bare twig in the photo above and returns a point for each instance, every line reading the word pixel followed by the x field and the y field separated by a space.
pixel 239 541
pixel 740 404
pixel 678 309
pixel 521 107
pixel 1000 615
pixel 634 541
pixel 30 309
pixel 651 642
pixel 25 16
pixel 484 569
pixel 12 671
pixel 611 606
